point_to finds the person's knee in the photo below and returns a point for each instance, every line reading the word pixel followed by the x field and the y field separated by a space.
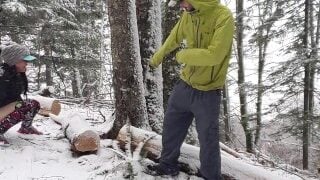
pixel 35 104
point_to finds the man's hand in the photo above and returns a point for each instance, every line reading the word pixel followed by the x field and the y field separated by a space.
pixel 179 57
pixel 155 60
pixel 153 64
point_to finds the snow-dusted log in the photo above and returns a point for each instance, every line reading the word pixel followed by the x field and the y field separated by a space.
pixel 231 166
pixel 79 133
pixel 7 109
pixel 48 105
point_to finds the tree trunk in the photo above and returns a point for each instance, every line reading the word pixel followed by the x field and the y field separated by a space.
pixel 170 67
pixel 149 26
pixel 241 79
pixel 130 102
pixel 75 83
pixel 226 113
pixel 262 46
pixel 307 83
pixel 48 72
pixel 85 83
pixel 314 34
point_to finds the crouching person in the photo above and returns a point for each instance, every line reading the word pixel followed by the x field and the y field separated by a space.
pixel 13 83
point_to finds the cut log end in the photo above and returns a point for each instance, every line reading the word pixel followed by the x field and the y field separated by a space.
pixel 56 107
pixel 86 142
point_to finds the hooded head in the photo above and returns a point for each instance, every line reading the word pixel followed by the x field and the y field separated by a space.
pixel 13 53
pixel 199 5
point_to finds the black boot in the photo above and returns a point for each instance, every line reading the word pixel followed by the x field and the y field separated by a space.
pixel 157 170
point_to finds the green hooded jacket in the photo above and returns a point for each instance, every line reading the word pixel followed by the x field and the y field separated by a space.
pixel 207 33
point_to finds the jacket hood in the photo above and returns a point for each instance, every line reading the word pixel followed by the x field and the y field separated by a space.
pixel 203 5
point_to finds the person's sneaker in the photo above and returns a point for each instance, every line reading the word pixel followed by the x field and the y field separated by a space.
pixel 157 170
pixel 3 141
pixel 29 130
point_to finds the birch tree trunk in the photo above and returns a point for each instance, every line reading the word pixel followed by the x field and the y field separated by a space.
pixel 149 26
pixel 241 79
pixel 130 102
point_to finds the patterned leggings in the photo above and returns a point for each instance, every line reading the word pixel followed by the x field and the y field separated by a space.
pixel 25 114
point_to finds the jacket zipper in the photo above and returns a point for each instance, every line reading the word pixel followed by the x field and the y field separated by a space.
pixel 198 26
pixel 198 44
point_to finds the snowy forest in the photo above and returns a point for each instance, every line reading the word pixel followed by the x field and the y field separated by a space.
pixel 93 59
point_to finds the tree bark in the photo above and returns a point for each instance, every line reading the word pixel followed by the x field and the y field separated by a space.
pixel 314 34
pixel 149 26
pixel 170 67
pixel 130 102
pixel 241 78
pixel 267 18
pixel 226 113
pixel 307 83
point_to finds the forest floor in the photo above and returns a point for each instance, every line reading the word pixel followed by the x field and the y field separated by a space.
pixel 49 156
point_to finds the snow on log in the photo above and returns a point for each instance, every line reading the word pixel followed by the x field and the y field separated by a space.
pixel 79 133
pixel 48 105
pixel 7 109
pixel 238 168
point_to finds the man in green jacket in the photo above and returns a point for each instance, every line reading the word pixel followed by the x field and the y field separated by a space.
pixel 206 29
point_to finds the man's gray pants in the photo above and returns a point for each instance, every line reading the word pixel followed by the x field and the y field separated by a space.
pixel 186 103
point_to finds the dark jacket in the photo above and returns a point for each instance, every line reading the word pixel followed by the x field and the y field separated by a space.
pixel 12 84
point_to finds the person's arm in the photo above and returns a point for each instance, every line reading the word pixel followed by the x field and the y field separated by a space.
pixel 172 42
pixel 217 50
pixel 3 91
pixel 9 93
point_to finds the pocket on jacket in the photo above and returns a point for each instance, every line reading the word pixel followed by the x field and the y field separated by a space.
pixel 202 75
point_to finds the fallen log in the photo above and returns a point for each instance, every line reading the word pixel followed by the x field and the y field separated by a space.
pixel 47 105
pixel 7 109
pixel 82 138
pixel 232 167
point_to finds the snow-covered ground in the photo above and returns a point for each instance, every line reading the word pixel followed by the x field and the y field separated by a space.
pixel 48 156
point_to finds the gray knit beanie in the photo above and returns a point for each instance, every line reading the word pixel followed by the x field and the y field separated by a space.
pixel 13 53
